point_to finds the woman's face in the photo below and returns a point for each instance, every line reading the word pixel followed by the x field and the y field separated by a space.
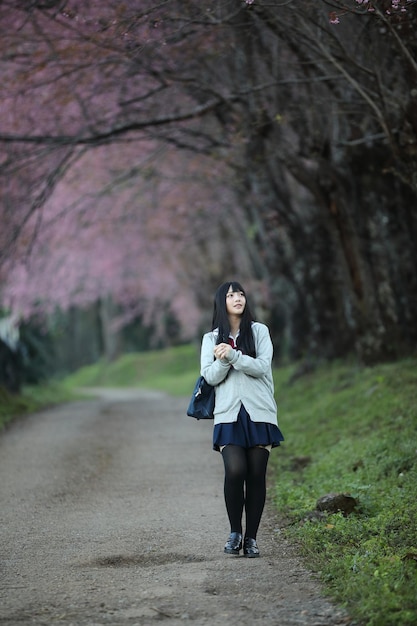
pixel 235 302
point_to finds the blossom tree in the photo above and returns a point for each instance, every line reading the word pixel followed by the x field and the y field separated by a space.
pixel 148 150
pixel 123 233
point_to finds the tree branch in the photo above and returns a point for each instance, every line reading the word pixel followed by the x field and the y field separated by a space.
pixel 104 137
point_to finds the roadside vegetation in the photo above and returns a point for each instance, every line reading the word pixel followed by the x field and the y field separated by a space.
pixel 172 370
pixel 353 430
pixel 349 429
pixel 32 399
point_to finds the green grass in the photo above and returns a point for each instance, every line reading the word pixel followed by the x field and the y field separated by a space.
pixel 173 370
pixel 358 427
pixel 31 399
pixel 347 429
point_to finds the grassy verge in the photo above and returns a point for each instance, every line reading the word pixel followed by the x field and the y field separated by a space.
pixel 354 430
pixel 31 399
pixel 173 370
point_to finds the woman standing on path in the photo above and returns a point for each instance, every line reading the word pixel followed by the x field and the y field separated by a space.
pixel 245 413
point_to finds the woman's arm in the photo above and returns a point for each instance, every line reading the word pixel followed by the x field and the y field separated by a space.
pixel 213 370
pixel 261 364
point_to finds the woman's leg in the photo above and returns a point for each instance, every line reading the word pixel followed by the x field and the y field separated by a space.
pixel 257 459
pixel 235 468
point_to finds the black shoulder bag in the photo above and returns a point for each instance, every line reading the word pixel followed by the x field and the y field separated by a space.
pixel 202 400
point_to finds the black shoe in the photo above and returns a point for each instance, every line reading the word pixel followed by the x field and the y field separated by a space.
pixel 233 544
pixel 250 548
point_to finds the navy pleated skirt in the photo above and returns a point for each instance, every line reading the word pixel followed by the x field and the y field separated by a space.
pixel 246 433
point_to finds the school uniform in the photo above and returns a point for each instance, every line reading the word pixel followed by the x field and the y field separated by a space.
pixel 245 412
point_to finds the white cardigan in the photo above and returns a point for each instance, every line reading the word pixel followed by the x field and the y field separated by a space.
pixel 241 379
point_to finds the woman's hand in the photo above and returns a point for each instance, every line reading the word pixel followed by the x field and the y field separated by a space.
pixel 222 351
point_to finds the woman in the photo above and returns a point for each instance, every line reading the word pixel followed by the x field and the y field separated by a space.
pixel 236 359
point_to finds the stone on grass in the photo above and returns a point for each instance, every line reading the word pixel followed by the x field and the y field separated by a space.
pixel 335 502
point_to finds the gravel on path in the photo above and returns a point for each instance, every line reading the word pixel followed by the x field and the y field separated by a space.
pixel 112 513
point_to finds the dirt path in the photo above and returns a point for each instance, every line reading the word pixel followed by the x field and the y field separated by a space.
pixel 111 512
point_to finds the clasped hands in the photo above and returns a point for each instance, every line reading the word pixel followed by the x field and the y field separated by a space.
pixel 222 351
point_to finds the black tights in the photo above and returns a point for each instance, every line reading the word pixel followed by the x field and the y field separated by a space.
pixel 245 486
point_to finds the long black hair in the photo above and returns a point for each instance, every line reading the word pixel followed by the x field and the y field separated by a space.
pixel 245 341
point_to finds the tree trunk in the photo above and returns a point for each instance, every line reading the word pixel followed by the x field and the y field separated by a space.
pixel 110 338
